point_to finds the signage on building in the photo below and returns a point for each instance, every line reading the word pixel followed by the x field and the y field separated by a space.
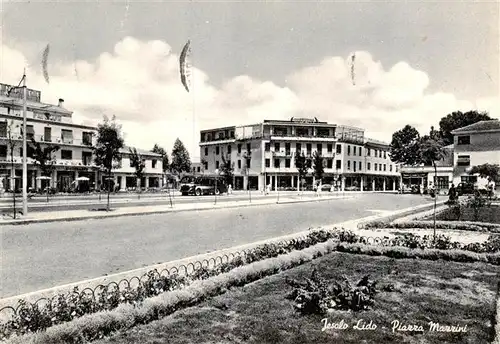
pixel 304 120
pixel 15 92
pixel 47 117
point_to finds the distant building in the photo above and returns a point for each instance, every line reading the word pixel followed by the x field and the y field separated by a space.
pixel 197 168
pixel 53 124
pixel 474 145
pixel 264 154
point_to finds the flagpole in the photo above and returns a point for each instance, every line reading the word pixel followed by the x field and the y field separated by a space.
pixel 25 155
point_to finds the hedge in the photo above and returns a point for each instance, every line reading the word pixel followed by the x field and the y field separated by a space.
pixel 453 225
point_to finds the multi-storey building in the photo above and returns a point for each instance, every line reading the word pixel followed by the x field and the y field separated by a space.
pixel 52 124
pixel 474 145
pixel 264 154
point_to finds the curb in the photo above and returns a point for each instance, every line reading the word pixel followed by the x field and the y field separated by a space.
pixel 164 211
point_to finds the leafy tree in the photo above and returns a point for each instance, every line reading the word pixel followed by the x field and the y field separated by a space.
pixel 180 158
pixel 303 164
pixel 227 170
pixel 488 171
pixel 404 147
pixel 107 147
pixel 164 156
pixel 457 120
pixel 318 166
pixel 137 162
pixel 12 144
pixel 44 156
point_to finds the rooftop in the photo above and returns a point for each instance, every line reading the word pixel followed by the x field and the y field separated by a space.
pixel 490 125
pixel 34 105
pixel 139 151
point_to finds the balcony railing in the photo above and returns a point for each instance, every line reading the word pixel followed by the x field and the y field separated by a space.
pixel 51 139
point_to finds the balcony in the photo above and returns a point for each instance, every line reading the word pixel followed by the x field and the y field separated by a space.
pixel 52 139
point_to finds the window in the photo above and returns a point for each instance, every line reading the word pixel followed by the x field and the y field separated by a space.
pixel 268 163
pixel 87 138
pixel 348 150
pixel 390 168
pixel 198 169
pixel 239 149
pixel 379 153
pixel 248 163
pixel 319 147
pixel 3 151
pixel 47 135
pixel 348 165
pixel 217 150
pixel 3 129
pixel 329 163
pixel 68 155
pixel 228 149
pixel 277 147
pixel 232 134
pixel 298 147
pixel 463 160
pixel 87 158
pixel 375 165
pixel 287 163
pixel 309 148
pixel 206 151
pixel 468 179
pixel 463 140
pixel 385 167
pixel 354 166
pixel 368 166
pixel 338 164
pixel 267 146
pixel 67 136
pixel 360 165
pixel 385 155
pixel 443 182
pixel 239 164
pixel 30 132
pixel 153 163
pixel 368 152
pixel 217 164
pixel 205 164
pixel 287 148
pixel 130 161
pixel 339 149
pixel 276 163
pixel 249 147
pixel 360 152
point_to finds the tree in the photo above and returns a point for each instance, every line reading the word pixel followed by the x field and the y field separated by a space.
pixel 180 158
pixel 164 156
pixel 227 169
pixel 457 120
pixel 44 158
pixel 137 162
pixel 12 144
pixel 303 164
pixel 404 147
pixel 107 147
pixel 487 171
pixel 318 166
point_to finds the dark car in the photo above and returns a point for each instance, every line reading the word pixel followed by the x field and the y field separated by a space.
pixel 205 185
pixel 465 189
pixel 186 184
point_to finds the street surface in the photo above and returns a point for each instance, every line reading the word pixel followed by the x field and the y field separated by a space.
pixel 44 255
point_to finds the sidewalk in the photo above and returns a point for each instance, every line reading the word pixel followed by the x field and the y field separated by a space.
pixel 84 214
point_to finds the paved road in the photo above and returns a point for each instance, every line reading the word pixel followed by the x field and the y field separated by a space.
pixel 38 256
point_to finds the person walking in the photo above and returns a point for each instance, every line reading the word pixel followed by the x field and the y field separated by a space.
pixel 452 194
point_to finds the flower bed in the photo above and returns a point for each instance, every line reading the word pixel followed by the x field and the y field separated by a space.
pixel 180 291
pixel 453 225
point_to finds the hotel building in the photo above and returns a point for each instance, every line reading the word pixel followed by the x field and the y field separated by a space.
pixel 52 124
pixel 264 154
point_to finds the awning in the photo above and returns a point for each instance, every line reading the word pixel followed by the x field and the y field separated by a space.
pixel 30 130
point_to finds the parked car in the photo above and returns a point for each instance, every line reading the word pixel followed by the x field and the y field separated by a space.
pixel 465 189
pixel 186 183
pixel 205 185
pixel 352 188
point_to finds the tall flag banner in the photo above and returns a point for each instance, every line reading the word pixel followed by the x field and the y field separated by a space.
pixel 352 69
pixel 184 65
pixel 45 59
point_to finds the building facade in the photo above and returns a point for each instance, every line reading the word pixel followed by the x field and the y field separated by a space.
pixel 53 124
pixel 264 154
pixel 474 145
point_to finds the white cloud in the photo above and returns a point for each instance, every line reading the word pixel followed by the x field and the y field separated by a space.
pixel 139 83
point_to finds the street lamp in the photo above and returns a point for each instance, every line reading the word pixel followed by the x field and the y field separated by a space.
pixel 25 159
pixel 216 178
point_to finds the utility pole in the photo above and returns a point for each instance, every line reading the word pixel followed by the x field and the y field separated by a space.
pixel 25 155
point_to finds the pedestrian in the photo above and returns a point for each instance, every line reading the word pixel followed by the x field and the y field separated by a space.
pixel 452 194
pixel 318 189
pixel 431 190
pixel 229 189
pixel 268 188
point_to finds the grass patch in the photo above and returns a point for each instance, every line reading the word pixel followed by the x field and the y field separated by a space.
pixel 486 214
pixel 440 291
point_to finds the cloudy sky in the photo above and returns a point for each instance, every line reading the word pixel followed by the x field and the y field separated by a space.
pixel 415 62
